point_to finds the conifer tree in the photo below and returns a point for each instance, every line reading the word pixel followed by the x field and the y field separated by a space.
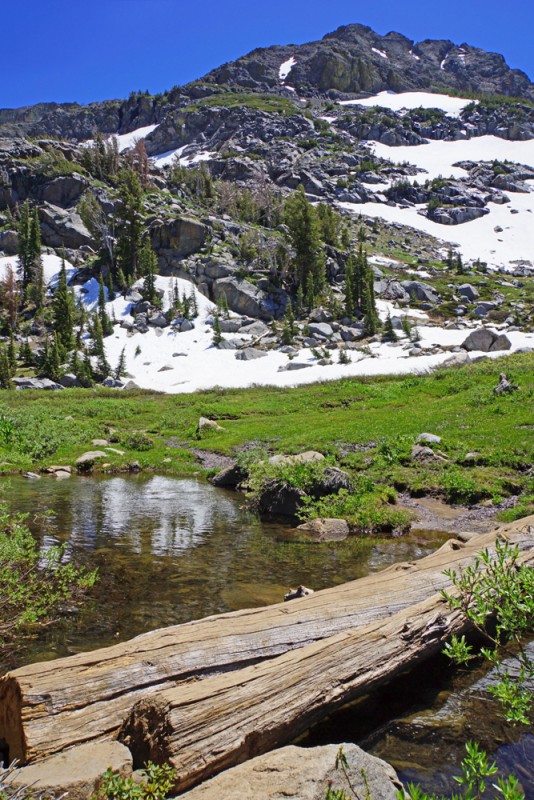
pixel 12 354
pixel 25 353
pixel 107 327
pixel 111 293
pixel 148 266
pixel 52 357
pixel 24 237
pixel 63 311
pixel 34 252
pixel 389 330
pixel 120 370
pixel 194 304
pixel 5 371
pixel 350 303
pixel 217 333
pixel 304 231
pixel 129 222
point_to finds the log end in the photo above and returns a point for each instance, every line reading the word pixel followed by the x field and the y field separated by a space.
pixel 12 739
pixel 145 732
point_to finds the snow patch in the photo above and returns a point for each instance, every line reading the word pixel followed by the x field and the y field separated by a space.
pixel 452 106
pixel 286 68
pixel 126 140
pixel 379 52
pixel 51 267
pixel 165 159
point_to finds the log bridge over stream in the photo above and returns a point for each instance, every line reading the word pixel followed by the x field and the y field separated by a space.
pixel 214 692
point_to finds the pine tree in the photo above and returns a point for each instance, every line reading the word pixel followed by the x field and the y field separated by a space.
pixel 10 297
pixel 5 371
pixel 107 327
pixel 290 318
pixel 129 222
pixel 299 301
pixel 52 357
pixel 111 293
pixel 148 265
pixel 459 265
pixel 63 311
pixel 304 231
pixel 350 303
pixel 120 370
pixel 103 369
pixel 194 304
pixel 86 375
pixel 25 353
pixel 222 305
pixel 360 278
pixel 34 252
pixel 217 333
pixel 24 238
pixel 389 330
pixel 12 354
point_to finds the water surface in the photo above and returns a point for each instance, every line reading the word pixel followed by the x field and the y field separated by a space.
pixel 171 550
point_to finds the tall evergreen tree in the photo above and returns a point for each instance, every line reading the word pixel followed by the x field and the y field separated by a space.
pixel 12 353
pixel 107 327
pixel 5 371
pixel 350 303
pixel 304 231
pixel 129 222
pixel 148 267
pixel 24 238
pixel 63 311
pixel 34 248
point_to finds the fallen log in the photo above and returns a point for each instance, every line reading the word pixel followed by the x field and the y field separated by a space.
pixel 48 707
pixel 210 725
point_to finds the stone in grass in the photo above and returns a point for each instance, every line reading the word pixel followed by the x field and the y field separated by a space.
pixel 429 437
pixel 75 772
pixel 205 424
pixel 85 462
pixel 425 455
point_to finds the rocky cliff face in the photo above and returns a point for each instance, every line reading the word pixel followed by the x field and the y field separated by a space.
pixel 351 60
pixel 355 59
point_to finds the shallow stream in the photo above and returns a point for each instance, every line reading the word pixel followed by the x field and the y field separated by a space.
pixel 171 550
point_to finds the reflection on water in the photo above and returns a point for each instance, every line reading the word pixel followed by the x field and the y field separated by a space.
pixel 170 550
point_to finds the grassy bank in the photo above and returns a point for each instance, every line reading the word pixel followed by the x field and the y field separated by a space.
pixel 365 425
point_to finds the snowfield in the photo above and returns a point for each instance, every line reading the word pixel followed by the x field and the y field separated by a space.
pixel 477 239
pixel 407 101
pixel 168 361
pixel 174 362
pixel 438 157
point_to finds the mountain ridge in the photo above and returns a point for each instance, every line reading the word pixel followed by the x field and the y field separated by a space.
pixel 352 60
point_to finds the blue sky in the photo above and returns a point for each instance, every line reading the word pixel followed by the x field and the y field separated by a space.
pixel 85 50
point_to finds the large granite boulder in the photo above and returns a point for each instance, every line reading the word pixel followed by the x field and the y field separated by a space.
pixel 245 298
pixel 486 341
pixel 61 228
pixel 296 773
pixel 175 239
pixel 75 772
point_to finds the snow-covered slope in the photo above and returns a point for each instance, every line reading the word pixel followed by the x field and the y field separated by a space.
pixel 169 361
pixel 410 100
pixel 480 238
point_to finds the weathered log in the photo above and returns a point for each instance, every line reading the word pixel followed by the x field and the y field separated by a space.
pixel 207 726
pixel 50 706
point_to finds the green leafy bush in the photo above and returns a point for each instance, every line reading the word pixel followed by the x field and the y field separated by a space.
pixel 137 441
pixel 34 584
pixel 156 785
